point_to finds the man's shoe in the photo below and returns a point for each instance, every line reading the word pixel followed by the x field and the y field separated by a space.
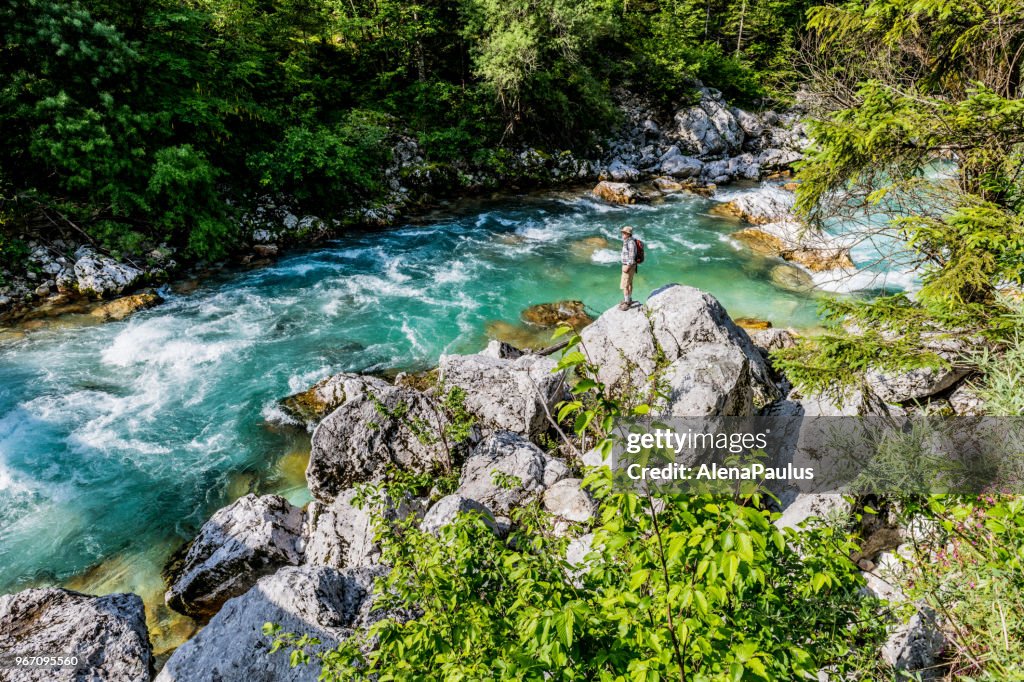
pixel 625 305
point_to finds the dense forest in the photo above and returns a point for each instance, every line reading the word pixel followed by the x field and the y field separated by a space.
pixel 153 121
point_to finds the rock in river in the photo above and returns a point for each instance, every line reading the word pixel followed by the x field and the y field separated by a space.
pixel 241 543
pixel 796 242
pixel 107 634
pixel 313 404
pixel 551 315
pixel 120 308
pixel 616 192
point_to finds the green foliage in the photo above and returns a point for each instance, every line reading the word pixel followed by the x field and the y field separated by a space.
pixel 695 588
pixel 928 96
pixel 1002 387
pixel 320 165
pixel 745 48
pixel 143 123
pixel 968 570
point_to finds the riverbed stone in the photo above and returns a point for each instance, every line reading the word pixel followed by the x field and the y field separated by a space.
pixel 551 315
pixel 507 454
pixel 101 275
pixel 375 430
pixel 315 403
pixel 616 192
pixel 504 393
pixel 686 336
pixel 120 308
pixel 795 242
pixel 769 204
pixel 244 541
pixel 791 278
pixel 323 602
pixel 107 634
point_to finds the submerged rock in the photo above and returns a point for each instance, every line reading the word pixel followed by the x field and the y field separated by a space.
pixel 315 403
pixel 240 544
pixel 686 337
pixel 551 315
pixel 107 634
pixel 518 335
pixel 383 427
pixel 585 248
pixel 323 602
pixel 752 323
pixel 791 278
pixel 506 394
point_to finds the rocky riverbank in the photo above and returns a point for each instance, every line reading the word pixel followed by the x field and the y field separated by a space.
pixel 312 569
pixel 695 149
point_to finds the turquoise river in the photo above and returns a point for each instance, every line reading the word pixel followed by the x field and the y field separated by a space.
pixel 118 440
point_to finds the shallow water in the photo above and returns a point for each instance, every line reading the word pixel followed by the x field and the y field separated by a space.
pixel 118 440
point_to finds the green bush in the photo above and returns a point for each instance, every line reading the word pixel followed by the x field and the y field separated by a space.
pixel 329 166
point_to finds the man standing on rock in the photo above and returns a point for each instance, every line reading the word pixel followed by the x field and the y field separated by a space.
pixel 628 267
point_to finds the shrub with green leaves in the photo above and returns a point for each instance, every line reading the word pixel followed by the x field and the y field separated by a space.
pixel 684 588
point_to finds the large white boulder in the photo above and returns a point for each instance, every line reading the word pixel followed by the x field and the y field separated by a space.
pixel 315 403
pixel 709 129
pixel 383 427
pixel 528 470
pixel 342 535
pixel 506 394
pixel 101 275
pixel 686 338
pixel 107 634
pixel 244 541
pixel 768 204
pixel 567 500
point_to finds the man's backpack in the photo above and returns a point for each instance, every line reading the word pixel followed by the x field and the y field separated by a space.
pixel 639 251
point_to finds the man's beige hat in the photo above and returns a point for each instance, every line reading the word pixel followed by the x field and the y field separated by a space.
pixel 627 229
